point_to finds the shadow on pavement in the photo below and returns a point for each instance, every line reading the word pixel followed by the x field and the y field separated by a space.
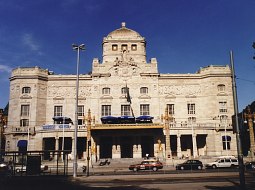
pixel 56 183
pixel 69 183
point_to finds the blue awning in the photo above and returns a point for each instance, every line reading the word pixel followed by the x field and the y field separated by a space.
pixel 22 143
pixel 145 117
pixel 126 117
pixel 61 118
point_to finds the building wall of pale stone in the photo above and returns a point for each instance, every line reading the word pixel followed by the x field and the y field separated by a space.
pixel 120 69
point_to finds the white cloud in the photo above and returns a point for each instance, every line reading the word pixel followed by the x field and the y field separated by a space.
pixel 30 42
pixel 5 68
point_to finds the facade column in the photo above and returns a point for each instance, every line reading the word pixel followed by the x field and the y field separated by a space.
pixel 72 154
pixel 194 143
pixel 116 148
pixel 56 147
pixel 137 151
pixel 179 148
pixel 167 135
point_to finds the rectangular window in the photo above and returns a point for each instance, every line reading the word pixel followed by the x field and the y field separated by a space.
pixel 24 110
pixel 106 110
pixel 26 90
pixel 133 47
pixel 24 122
pixel 125 110
pixel 144 109
pixel 124 90
pixel 226 142
pixel 114 47
pixel 221 88
pixel 106 91
pixel 124 47
pixel 80 121
pixel 192 120
pixel 191 109
pixel 223 107
pixel 80 110
pixel 170 108
pixel 144 90
pixel 58 110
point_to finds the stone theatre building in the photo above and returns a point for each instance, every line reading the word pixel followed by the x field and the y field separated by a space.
pixel 191 112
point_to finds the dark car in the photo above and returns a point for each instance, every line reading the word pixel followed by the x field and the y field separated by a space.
pixel 250 165
pixel 190 165
pixel 5 169
pixel 153 165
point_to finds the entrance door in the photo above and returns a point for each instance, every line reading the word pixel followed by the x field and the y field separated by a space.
pixel 105 147
pixel 81 146
pixel 147 146
pixel 126 146
pixel 48 144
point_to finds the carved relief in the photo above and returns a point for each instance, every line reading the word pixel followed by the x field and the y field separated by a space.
pixel 64 92
pixel 190 90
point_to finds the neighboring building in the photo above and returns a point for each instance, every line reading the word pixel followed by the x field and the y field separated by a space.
pixel 245 132
pixel 3 124
pixel 200 106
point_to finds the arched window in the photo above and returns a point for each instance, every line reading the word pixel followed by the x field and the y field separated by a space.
pixel 26 90
pixel 223 119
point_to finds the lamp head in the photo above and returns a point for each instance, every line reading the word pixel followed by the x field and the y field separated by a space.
pixel 75 46
pixel 82 46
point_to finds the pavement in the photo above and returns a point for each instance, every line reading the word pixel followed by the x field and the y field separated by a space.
pixel 116 176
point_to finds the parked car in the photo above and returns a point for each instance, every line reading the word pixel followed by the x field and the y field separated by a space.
pixel 223 162
pixel 23 168
pixel 153 165
pixel 5 169
pixel 250 165
pixel 190 165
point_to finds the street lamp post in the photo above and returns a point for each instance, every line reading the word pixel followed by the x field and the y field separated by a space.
pixel 1 131
pixel 250 118
pixel 238 140
pixel 78 48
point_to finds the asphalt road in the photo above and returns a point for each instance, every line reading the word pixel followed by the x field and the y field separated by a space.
pixel 141 181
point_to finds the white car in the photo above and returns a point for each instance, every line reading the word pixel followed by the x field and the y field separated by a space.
pixel 20 168
pixel 223 162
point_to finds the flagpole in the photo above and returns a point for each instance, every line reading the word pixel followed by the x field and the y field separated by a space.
pixel 129 100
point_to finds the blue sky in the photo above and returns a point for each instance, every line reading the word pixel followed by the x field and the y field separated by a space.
pixel 183 35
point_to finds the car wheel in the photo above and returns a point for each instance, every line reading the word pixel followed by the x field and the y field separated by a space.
pixel 232 166
pixel 199 167
pixel 182 168
pixel 154 169
pixel 214 166
pixel 135 169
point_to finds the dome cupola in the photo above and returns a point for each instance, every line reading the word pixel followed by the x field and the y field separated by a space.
pixel 124 41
